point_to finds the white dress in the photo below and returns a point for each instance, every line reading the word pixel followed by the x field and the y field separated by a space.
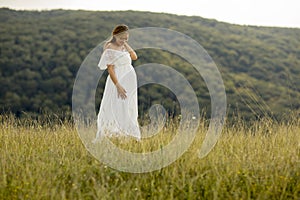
pixel 117 116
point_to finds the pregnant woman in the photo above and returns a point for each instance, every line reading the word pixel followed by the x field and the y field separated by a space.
pixel 118 110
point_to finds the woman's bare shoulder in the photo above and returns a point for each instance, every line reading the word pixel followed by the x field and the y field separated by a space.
pixel 107 45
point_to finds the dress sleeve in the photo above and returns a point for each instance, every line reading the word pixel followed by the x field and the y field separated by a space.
pixel 107 58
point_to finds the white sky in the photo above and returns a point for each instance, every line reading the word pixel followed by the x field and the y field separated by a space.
pixel 282 13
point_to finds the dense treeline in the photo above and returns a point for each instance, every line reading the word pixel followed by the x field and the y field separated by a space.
pixel 41 52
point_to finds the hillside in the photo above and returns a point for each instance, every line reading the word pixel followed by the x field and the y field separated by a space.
pixel 41 52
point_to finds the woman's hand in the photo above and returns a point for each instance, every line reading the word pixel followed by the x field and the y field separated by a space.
pixel 121 91
pixel 131 51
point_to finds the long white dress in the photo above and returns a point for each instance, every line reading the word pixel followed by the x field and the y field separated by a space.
pixel 117 116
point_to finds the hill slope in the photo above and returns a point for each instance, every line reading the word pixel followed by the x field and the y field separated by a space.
pixel 42 51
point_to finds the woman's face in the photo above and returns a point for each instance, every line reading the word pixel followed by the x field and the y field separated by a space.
pixel 121 38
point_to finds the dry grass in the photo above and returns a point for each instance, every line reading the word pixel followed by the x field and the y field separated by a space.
pixel 50 162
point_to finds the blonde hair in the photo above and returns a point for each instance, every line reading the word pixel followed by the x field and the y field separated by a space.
pixel 117 30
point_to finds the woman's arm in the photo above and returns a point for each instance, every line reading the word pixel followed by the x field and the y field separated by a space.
pixel 120 89
pixel 131 51
pixel 111 71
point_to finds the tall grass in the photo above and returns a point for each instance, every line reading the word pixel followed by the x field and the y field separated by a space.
pixel 49 161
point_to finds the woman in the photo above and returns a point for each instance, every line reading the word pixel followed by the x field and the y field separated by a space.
pixel 118 110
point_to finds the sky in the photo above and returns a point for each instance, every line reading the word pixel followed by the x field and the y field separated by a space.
pixel 278 13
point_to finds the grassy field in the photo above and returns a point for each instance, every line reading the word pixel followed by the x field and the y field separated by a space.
pixel 49 161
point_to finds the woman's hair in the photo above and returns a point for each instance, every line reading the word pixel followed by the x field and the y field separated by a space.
pixel 117 30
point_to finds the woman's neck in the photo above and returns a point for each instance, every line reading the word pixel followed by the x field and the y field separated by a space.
pixel 118 47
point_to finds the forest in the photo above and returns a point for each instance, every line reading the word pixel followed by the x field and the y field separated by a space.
pixel 42 51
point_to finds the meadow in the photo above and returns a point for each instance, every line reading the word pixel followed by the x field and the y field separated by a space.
pixel 47 160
